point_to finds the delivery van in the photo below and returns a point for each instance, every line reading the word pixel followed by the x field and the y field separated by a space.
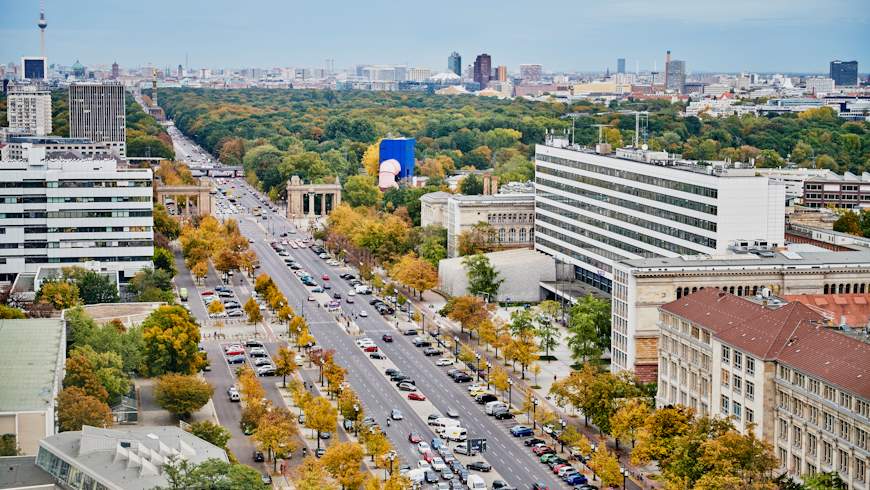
pixel 457 434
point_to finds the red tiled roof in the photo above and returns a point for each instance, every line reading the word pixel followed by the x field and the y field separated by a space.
pixel 854 308
pixel 794 334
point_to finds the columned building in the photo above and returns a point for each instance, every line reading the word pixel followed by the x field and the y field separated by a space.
pixel 310 200
pixel 97 111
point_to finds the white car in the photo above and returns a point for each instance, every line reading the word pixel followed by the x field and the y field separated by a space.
pixel 300 360
pixel 422 447
pixel 363 313
pixel 351 293
pixel 476 387
pixel 438 464
pixel 424 465
pixel 444 361
pixel 221 314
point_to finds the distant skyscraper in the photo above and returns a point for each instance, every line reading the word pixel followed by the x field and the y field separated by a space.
pixel 34 67
pixel 180 71
pixel 675 74
pixel 97 112
pixel 454 63
pixel 620 65
pixel 501 73
pixel 483 70
pixel 844 73
pixel 531 73
pixel 29 109
pixel 116 71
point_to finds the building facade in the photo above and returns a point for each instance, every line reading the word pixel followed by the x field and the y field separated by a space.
pixel 19 148
pixel 28 109
pixel 58 213
pixel 844 73
pixel 97 111
pixel 512 217
pixel 454 63
pixel 642 286
pixel 819 85
pixel 620 65
pixel 676 75
pixel 594 210
pixel 34 67
pixel 531 73
pixel 483 70
pixel 501 73
pixel 845 191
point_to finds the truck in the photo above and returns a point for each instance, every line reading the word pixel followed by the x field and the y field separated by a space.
pixel 182 293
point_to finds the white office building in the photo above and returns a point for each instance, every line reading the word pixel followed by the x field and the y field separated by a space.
pixel 819 85
pixel 56 213
pixel 28 109
pixel 594 210
pixel 97 111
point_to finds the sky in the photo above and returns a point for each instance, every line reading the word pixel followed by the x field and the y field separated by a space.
pixel 574 35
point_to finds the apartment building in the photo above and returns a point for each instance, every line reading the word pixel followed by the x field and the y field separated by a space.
pixel 641 286
pixel 776 368
pixel 97 111
pixel 594 210
pixel 28 109
pixel 55 213
pixel 846 191
pixel 18 147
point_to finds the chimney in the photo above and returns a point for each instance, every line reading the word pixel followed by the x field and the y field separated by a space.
pixel 486 184
pixel 494 185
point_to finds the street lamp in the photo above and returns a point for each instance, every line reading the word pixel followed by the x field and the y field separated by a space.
pixel 391 456
pixel 478 366
pixel 534 409
pixel 456 347
pixel 562 439
pixel 355 419
pixel 624 472
pixel 510 392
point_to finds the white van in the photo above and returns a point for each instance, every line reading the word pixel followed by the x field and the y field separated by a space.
pixel 475 482
pixel 444 422
pixel 495 406
pixel 455 433
pixel 362 289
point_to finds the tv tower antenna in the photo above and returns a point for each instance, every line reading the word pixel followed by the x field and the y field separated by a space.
pixel 42 25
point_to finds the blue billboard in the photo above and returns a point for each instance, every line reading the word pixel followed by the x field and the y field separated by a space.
pixel 401 150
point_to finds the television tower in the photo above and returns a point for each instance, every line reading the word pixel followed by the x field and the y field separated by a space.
pixel 42 25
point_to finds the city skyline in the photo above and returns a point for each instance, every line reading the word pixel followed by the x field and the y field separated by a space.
pixel 227 35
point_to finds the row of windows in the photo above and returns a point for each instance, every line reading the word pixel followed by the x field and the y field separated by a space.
pixel 76 184
pixel 626 203
pixel 22 199
pixel 632 191
pixel 737 384
pixel 736 410
pixel 27 184
pixel 135 213
pixel 633 176
pixel 573 253
pixel 828 392
pixel 809 445
pixel 649 225
pixel 99 199
pixel 619 230
pixel 70 260
pixel 87 229
pixel 737 359
pixel 823 419
pixel 591 235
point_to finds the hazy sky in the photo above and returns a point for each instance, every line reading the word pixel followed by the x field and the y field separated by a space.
pixel 711 35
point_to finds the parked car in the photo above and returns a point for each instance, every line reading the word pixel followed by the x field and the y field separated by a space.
pixel 521 431
pixel 236 359
pixel 444 361
pixel 405 386
pixel 396 414
pixel 387 337
pixel 503 415
pixel 480 466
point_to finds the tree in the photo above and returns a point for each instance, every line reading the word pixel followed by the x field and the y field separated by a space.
pixel 629 419
pixel 334 375
pixel 499 379
pixel 471 185
pixel 469 311
pixel 349 405
pixel 848 222
pixel 96 288
pixel 548 335
pixel 377 444
pixel 483 279
pixel 606 466
pixel 285 363
pixel 10 313
pixel 210 432
pixel 576 441
pixel 311 475
pixel 361 190
pixel 252 308
pixel 171 340
pixel 320 416
pixel 342 461
pixel 415 273
pixel 9 445
pixel 824 481
pixel 107 368
pixel 479 239
pixel 152 285
pixel 212 474
pixel 80 373
pixel 59 294
pixel 200 270
pixel 656 440
pixel 589 328
pixel 182 395
pixel 164 260
pixel 76 408
pixel 275 434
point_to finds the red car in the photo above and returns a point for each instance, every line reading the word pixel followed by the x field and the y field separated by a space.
pixel 325 277
pixel 387 337
pixel 235 352
pixel 207 293
pixel 414 438
pixel 371 348
pixel 428 456
pixel 542 450
pixel 416 396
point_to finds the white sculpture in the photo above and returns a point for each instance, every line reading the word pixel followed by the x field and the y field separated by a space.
pixel 387 173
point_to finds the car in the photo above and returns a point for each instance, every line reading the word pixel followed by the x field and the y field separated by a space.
pixel 438 464
pixel 325 277
pixel 575 479
pixel 233 394
pixel 431 476
pixel 533 441
pixel 414 437
pixel 423 446
pixel 377 355
pixel 235 313
pixel 446 474
pixel 349 299
pixel 485 398
pixel 409 331
pixel 254 343
pixel 396 414
pixel 236 359
pixel 431 351
pixel 453 414
pixel 503 415
pixel 220 314
pixel 370 348
pixel 387 337
pixel 444 361
pixel 325 435
pixel 432 418
pixel 311 298
pixel 363 313
pixel 234 351
pixel 326 286
pixel 319 452
pixel 462 378
pixel 300 360
pixel 541 450
pixel 316 289
pixel 521 431
pixel 259 457
pixel 539 486
pixel 266 370
pixel 262 361
pixel 416 396
pixel 336 295
pixel 429 456
pixel 480 466
pixel 391 372
pixel 206 293
pixel 257 352
pixel 500 485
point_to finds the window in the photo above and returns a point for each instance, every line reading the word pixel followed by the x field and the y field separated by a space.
pixel 829 422
pixel 750 390
pixel 830 393
pixel 725 405
pixel 750 366
pixel 845 400
pixel 845 429
pixel 738 383
pixel 795 464
pixel 726 355
pixel 725 378
pixel 862 408
pixel 783 373
pixel 811 445
pixel 860 438
pixel 796 436
pixel 798 379
pixel 860 469
pixel 814 386
pixel 814 415
pixel 750 416
pixel 738 360
pixel 737 410
pixel 827 453
pixel 843 463
pixel 783 429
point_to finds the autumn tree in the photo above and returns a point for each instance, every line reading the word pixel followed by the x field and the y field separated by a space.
pixel 253 311
pixel 469 311
pixel 334 375
pixel 276 434
pixel 182 395
pixel 415 273
pixel 10 313
pixel 349 405
pixel 80 373
pixel 629 418
pixel 210 432
pixel 76 408
pixel 216 307
pixel 376 443
pixel 479 239
pixel 285 363
pixel 171 338
pixel 311 475
pixel 499 379
pixel 59 294
pixel 320 416
pixel 342 460
pixel 606 466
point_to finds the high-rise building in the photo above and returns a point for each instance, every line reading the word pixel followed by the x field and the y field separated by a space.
pixel 75 211
pixel 34 67
pixel 116 71
pixel 531 73
pixel 454 63
pixel 483 70
pixel 676 75
pixel 620 65
pixel 844 73
pixel 180 71
pixel 594 210
pixel 28 109
pixel 501 73
pixel 97 112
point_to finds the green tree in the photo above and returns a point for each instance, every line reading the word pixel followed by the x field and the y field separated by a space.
pixel 211 432
pixel 152 285
pixel 182 395
pixel 483 279
pixel 9 445
pixel 59 294
pixel 165 224
pixel 361 190
pixel 96 288
pixel 171 342
pixel 108 368
pixel 212 474
pixel 471 185
pixel 824 481
pixel 10 313
pixel 164 260
pixel 848 222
